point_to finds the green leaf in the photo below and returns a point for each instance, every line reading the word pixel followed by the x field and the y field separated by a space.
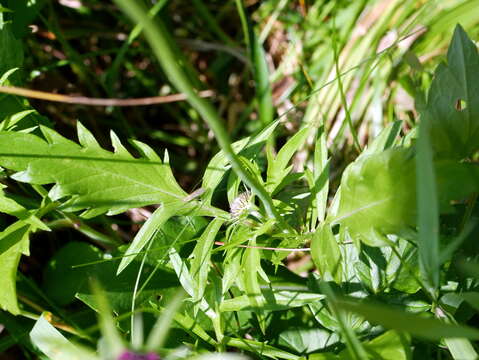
pixel 458 187
pixel 427 210
pixel 251 267
pixel 154 223
pixel 11 55
pixel 24 13
pixel 112 341
pixel 472 298
pixel 219 164
pixel 11 207
pixel 461 349
pixel 159 332
pixel 278 167
pixel 271 300
pixel 377 196
pixel 97 179
pixel 54 345
pixel 261 77
pixel 16 236
pixel 119 288
pixel 385 140
pixel 388 346
pixel 421 327
pixel 327 254
pixel 200 265
pixel 320 188
pixel 453 101
pixel 304 340
pixel 61 279
pixel 186 280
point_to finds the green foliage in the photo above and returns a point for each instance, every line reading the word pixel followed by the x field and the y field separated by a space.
pixel 96 179
pixel 389 235
pixel 377 196
pixel 452 103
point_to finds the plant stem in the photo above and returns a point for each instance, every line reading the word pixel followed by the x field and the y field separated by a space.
pixel 158 37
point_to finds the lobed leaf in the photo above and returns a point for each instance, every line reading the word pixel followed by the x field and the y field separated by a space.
pixel 96 179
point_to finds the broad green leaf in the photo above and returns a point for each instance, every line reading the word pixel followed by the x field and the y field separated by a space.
pixel 12 49
pixel 200 264
pixel 327 319
pixel 95 178
pixel 327 254
pixel 458 187
pixel 23 14
pixel 119 288
pixel 278 167
pixel 61 279
pixel 304 340
pixel 404 271
pixel 453 101
pixel 472 298
pixel 377 196
pixel 426 328
pixel 54 345
pixel 388 346
pixel 371 268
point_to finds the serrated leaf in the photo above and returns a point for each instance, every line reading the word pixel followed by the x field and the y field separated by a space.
pixel 378 196
pixel 97 179
pixel 453 101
